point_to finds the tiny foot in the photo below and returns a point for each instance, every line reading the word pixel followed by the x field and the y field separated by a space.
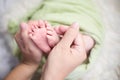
pixel 38 35
pixel 52 36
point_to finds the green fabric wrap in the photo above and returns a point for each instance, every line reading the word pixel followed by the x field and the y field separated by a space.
pixel 66 12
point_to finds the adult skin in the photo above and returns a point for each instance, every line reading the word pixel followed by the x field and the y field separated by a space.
pixel 31 56
pixel 67 54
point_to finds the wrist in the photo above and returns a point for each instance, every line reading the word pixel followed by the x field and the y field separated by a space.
pixel 30 66
pixel 30 63
pixel 51 75
pixel 22 72
pixel 29 69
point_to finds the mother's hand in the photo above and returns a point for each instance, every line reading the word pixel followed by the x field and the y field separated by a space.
pixel 30 52
pixel 66 55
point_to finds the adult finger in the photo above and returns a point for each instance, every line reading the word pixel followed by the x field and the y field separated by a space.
pixel 19 40
pixel 70 35
pixel 24 32
pixel 26 37
pixel 78 43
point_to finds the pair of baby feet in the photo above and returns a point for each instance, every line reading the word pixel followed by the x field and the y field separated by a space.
pixel 46 37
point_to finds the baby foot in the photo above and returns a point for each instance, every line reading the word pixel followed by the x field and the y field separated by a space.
pixel 89 42
pixel 52 36
pixel 43 35
pixel 38 35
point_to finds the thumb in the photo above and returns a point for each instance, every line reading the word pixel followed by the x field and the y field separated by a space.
pixel 24 34
pixel 70 35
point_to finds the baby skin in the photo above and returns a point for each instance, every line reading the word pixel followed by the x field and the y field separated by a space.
pixel 45 37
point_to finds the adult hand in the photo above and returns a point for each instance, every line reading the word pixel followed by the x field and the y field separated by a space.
pixel 65 56
pixel 30 52
pixel 31 56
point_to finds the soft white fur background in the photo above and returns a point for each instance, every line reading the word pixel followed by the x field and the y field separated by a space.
pixel 106 67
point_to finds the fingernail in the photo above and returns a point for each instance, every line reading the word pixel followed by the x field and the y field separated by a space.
pixel 75 25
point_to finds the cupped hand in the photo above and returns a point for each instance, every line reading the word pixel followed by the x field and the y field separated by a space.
pixel 30 52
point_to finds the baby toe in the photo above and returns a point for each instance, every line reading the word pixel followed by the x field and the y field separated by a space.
pixel 41 24
pixel 50 40
pixel 50 33
pixel 32 36
pixel 47 24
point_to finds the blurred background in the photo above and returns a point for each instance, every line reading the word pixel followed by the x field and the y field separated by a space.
pixel 107 66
